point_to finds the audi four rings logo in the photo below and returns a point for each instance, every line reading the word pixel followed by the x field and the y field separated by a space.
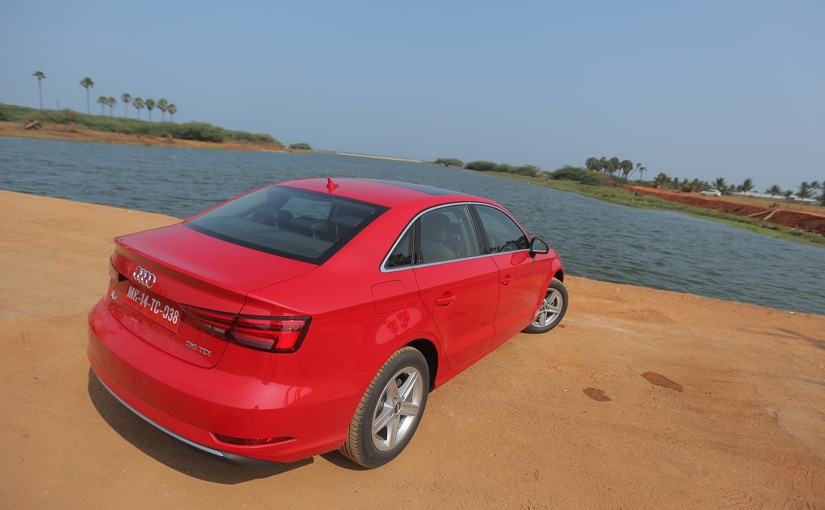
pixel 144 277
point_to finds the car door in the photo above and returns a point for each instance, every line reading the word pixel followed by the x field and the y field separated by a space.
pixel 522 276
pixel 458 287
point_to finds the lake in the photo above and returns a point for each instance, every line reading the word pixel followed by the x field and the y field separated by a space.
pixel 656 249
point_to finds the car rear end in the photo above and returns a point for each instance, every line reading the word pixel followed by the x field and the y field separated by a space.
pixel 183 340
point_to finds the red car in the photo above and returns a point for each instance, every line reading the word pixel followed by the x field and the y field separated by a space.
pixel 312 315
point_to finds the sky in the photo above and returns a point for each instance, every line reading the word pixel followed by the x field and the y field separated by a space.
pixel 693 89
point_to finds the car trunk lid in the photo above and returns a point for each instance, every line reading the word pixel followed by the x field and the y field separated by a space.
pixel 159 278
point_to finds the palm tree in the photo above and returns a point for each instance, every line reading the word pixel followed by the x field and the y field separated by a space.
pixel 774 190
pixel 642 170
pixel 627 167
pixel 746 185
pixel 150 105
pixel 662 180
pixel 162 106
pixel 111 102
pixel 138 104
pixel 172 109
pixel 613 165
pixel 87 83
pixel 815 185
pixel 40 77
pixel 804 190
pixel 102 101
pixel 126 99
pixel 720 184
pixel 592 164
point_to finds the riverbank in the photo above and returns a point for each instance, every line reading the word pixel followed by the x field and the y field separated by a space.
pixel 778 213
pixel 76 133
pixel 803 224
pixel 631 402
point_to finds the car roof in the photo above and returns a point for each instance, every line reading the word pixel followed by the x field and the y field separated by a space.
pixel 377 191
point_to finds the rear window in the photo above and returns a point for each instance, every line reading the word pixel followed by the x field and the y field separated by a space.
pixel 293 223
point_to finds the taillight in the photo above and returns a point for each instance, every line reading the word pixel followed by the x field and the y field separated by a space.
pixel 267 333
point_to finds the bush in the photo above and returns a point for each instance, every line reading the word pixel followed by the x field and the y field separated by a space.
pixel 481 166
pixel 578 174
pixel 198 131
pixel 248 137
pixel 528 170
pixel 300 146
pixel 449 162
pixel 67 116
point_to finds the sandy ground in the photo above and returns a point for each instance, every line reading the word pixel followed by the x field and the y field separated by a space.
pixel 640 399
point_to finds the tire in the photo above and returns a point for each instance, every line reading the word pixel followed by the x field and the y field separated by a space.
pixel 552 310
pixel 390 410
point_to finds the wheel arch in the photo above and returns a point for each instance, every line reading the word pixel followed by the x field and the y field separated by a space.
pixel 559 275
pixel 430 353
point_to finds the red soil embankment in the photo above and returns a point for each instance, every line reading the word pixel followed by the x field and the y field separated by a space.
pixel 800 220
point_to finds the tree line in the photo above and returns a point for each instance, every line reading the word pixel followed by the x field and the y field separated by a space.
pixel 596 169
pixel 806 190
pixel 138 103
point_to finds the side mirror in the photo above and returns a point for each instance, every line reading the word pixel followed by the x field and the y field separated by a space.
pixel 538 246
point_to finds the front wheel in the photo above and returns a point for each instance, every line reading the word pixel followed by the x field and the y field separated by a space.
pixel 552 310
pixel 390 410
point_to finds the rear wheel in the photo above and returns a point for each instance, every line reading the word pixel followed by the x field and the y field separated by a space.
pixel 552 310
pixel 390 410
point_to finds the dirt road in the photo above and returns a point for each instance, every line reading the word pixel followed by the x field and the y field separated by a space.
pixel 640 399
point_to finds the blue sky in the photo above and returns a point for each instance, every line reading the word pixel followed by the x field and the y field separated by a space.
pixel 699 89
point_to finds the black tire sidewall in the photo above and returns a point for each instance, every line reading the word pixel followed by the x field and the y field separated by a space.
pixel 367 454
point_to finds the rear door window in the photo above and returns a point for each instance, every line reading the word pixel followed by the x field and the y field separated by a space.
pixel 447 234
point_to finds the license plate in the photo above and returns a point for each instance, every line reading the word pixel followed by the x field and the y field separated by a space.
pixel 156 308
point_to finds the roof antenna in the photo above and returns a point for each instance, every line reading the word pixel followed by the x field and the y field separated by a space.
pixel 331 185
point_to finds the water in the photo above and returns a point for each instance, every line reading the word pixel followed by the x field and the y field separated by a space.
pixel 656 249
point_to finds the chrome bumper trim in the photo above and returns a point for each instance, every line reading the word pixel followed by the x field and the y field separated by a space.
pixel 193 444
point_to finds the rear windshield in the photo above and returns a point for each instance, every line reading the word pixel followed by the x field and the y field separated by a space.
pixel 298 224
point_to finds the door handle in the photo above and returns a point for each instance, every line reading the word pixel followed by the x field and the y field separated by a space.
pixel 507 280
pixel 445 300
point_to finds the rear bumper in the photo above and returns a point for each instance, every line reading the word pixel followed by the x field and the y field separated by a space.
pixel 247 395
pixel 217 453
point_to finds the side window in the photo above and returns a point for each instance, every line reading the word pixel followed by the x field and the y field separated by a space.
pixel 402 254
pixel 503 234
pixel 447 234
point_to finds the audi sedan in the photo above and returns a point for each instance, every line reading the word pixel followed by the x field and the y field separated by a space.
pixel 315 315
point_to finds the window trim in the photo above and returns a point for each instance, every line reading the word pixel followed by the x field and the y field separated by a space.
pixel 478 228
pixel 488 247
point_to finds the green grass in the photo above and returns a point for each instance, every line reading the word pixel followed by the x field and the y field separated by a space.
pixel 114 124
pixel 627 198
